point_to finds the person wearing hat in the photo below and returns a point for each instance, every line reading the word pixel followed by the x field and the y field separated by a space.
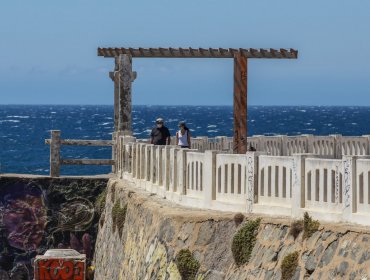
pixel 183 136
pixel 160 134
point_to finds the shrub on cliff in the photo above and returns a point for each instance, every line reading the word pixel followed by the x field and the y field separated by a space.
pixel 296 228
pixel 244 241
pixel 309 226
pixel 187 265
pixel 289 265
pixel 119 216
pixel 100 202
pixel 238 218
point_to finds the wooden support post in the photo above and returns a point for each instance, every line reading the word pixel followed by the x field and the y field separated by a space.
pixel 115 78
pixel 55 153
pixel 125 79
pixel 240 103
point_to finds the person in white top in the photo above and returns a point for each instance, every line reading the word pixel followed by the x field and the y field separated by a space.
pixel 183 136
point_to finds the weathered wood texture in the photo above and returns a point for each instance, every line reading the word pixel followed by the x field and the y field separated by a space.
pixel 74 142
pixel 87 161
pixel 198 53
pixel 125 78
pixel 240 103
pixel 56 143
pixel 116 81
pixel 55 153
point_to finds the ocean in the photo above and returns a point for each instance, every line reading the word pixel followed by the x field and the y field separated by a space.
pixel 24 128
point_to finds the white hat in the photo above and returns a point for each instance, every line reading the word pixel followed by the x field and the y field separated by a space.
pixel 159 120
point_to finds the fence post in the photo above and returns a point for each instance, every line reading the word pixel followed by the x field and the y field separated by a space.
pixel 166 166
pixel 337 145
pixel 126 143
pixel 173 169
pixel 349 187
pixel 309 139
pixel 209 176
pixel 55 153
pixel 299 184
pixel 181 171
pixel 284 145
pixel 252 180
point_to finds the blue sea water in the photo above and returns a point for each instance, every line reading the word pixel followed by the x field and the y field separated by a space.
pixel 24 128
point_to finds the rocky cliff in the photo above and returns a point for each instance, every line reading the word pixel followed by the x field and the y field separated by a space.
pixel 143 237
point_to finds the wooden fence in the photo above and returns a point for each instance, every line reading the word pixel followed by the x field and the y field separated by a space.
pixel 56 161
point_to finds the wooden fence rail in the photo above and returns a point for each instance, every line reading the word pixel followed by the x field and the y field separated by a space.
pixel 56 161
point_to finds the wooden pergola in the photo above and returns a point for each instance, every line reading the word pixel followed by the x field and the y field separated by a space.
pixel 123 76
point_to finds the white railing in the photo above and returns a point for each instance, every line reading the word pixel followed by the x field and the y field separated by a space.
pixel 324 185
pixel 332 146
pixel 274 183
pixel 330 189
pixel 194 174
pixel 231 178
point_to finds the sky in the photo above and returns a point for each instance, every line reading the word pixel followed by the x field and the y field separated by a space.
pixel 48 51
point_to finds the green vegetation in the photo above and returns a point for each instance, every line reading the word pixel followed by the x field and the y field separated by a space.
pixel 119 216
pixel 100 202
pixel 289 265
pixel 238 218
pixel 309 226
pixel 296 228
pixel 187 265
pixel 244 241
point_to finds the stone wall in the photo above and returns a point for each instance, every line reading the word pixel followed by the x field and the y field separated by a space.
pixel 140 235
pixel 39 213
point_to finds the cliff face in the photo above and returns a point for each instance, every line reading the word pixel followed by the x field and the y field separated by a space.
pixel 140 237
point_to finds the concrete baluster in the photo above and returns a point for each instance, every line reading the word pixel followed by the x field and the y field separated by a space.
pixel 181 171
pixel 252 180
pixel 148 149
pixel 209 176
pixel 309 143
pixel 173 170
pixel 299 184
pixel 349 187
pixel 337 145
pixel 159 166
pixel 127 152
pixel 153 163
pixel 133 159
pixel 166 167
pixel 142 160
pixel 284 145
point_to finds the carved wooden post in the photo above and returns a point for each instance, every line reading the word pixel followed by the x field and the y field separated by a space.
pixel 240 103
pixel 115 78
pixel 55 153
pixel 125 78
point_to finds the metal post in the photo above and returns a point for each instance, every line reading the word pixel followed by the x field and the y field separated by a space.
pixel 55 153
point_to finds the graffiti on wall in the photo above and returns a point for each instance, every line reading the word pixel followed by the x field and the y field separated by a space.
pixel 36 215
pixel 59 269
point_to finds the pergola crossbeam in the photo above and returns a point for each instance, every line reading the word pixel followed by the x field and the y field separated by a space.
pixel 198 53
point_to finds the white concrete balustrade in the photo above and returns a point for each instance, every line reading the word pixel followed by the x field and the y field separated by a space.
pixel 266 182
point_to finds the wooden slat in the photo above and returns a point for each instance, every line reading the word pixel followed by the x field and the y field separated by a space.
pixel 200 52
pixel 73 142
pixel 87 161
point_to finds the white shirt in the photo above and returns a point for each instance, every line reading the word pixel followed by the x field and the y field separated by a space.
pixel 183 139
